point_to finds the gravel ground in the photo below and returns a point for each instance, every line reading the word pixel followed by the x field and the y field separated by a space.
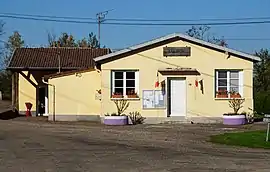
pixel 40 146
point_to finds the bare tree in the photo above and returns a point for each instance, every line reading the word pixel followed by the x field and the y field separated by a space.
pixel 203 33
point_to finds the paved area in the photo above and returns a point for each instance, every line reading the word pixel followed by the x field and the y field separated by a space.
pixel 39 146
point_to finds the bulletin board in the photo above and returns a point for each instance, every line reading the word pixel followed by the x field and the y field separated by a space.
pixel 153 99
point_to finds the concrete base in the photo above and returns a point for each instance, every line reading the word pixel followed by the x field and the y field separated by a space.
pixel 148 120
pixel 179 120
pixel 75 118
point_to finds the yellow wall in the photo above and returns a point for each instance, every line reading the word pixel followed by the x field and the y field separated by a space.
pixel 27 92
pixel 75 94
pixel 203 59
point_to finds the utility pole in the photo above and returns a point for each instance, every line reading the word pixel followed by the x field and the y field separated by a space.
pixel 101 18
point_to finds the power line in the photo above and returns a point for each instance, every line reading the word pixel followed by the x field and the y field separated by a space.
pixel 138 24
pixel 51 20
pixel 46 16
pixel 188 20
pixel 248 39
pixel 137 19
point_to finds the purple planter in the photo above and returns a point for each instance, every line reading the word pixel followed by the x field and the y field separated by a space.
pixel 115 120
pixel 234 119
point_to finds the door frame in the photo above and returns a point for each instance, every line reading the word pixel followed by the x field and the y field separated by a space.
pixel 169 79
pixel 45 100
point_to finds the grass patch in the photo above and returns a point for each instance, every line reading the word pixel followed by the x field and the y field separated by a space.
pixel 252 139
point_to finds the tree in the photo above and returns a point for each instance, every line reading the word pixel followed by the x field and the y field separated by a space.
pixel 1 33
pixel 202 33
pixel 67 40
pixel 261 82
pixel 14 41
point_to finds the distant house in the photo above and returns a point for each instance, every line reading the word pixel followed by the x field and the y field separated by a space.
pixel 175 77
pixel 30 65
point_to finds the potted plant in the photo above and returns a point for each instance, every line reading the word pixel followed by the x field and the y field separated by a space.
pixel 117 95
pixel 222 94
pixel 132 94
pixel 234 94
pixel 235 118
pixel 118 118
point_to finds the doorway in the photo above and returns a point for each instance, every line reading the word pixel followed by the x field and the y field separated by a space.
pixel 42 100
pixel 176 97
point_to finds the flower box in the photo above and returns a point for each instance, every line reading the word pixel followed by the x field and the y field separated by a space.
pixel 117 96
pixel 222 96
pixel 115 120
pixel 234 119
pixel 235 96
pixel 133 96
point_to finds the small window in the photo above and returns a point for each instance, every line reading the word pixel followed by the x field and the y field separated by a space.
pixel 125 82
pixel 229 83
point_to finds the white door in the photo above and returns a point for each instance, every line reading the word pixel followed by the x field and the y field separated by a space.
pixel 178 98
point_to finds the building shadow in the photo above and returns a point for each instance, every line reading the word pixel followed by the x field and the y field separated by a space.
pixel 9 114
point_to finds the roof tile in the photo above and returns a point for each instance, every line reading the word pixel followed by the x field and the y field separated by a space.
pixel 47 58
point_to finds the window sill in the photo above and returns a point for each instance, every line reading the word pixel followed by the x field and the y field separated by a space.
pixel 125 98
pixel 228 98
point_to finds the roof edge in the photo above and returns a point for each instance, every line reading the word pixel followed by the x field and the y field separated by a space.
pixel 68 73
pixel 181 36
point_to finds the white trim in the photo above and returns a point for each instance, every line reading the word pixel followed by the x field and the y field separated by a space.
pixel 46 113
pixel 241 83
pixel 124 81
pixel 216 82
pixel 233 116
pixel 180 36
pixel 184 99
pixel 137 82
pixel 115 117
pixel 113 80
pixel 228 81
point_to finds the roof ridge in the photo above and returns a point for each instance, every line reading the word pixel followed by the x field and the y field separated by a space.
pixel 63 48
pixel 181 36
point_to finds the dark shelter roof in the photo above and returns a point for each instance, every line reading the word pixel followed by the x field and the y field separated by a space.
pixel 48 58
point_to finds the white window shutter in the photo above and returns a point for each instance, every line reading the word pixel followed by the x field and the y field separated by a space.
pixel 241 83
pixel 137 82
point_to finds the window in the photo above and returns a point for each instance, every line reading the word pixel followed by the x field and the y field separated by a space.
pixel 125 82
pixel 229 82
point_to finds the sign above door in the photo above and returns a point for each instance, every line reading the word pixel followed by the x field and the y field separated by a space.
pixel 176 51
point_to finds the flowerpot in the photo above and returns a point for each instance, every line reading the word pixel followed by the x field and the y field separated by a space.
pixel 222 96
pixel 234 119
pixel 115 120
pixel 132 96
pixel 235 96
pixel 117 96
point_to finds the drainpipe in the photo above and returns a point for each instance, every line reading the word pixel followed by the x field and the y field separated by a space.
pixel 53 96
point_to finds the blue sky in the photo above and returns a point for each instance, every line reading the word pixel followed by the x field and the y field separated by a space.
pixel 35 32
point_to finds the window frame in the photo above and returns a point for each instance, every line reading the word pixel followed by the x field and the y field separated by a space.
pixel 124 81
pixel 228 78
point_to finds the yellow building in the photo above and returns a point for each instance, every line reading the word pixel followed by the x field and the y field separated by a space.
pixel 30 65
pixel 175 77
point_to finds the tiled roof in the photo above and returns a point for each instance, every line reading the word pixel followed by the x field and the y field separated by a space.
pixel 48 58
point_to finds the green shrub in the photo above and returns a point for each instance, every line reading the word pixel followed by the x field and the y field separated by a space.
pixel 136 118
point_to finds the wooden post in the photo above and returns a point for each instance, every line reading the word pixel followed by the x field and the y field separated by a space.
pixel 15 90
